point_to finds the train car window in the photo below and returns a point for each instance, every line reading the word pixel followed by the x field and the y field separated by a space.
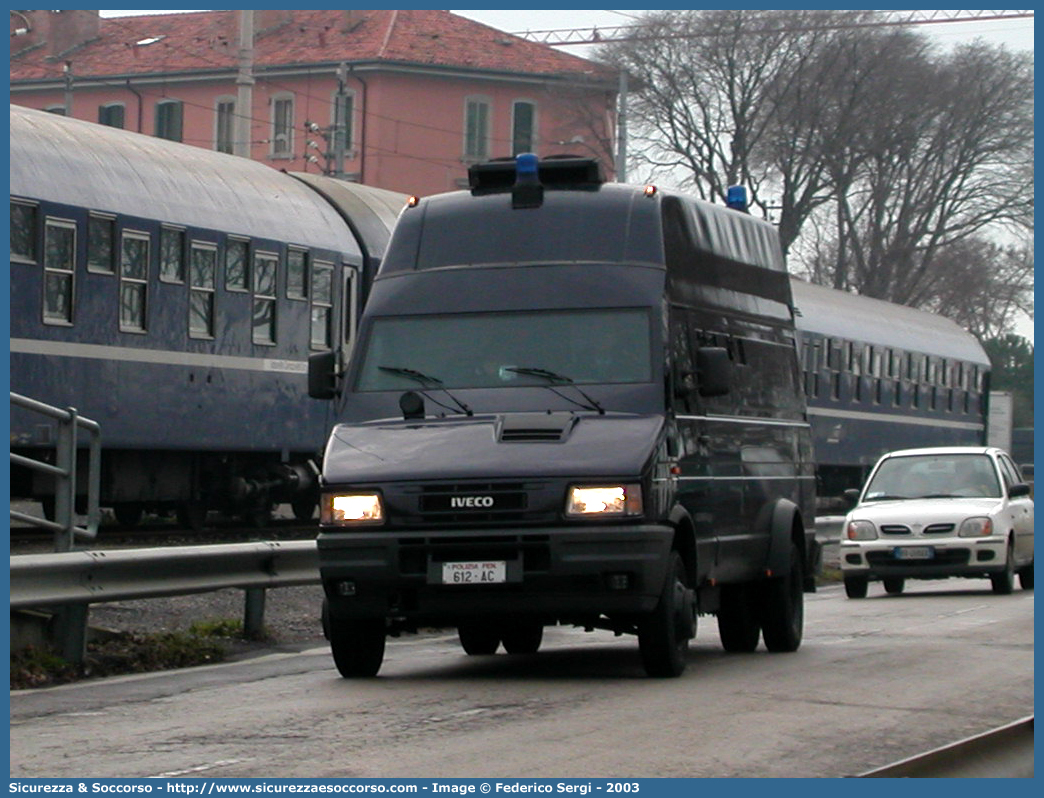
pixel 202 281
pixel 296 274
pixel 169 114
pixel 111 114
pixel 933 398
pixel 854 358
pixel 101 244
pixel 897 393
pixel 24 227
pixel 878 391
pixel 237 264
pixel 264 324
pixel 834 354
pixel 350 302
pixel 172 255
pixel 224 124
pixel 928 373
pixel 59 270
pixel 283 126
pixel 915 396
pixel 321 336
pixel 134 274
pixel 835 385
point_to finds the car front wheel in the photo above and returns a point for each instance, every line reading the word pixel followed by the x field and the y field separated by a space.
pixel 856 586
pixel 1004 582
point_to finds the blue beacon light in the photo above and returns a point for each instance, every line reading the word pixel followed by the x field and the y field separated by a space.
pixel 736 198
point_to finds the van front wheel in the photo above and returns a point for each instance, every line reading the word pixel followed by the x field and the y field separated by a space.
pixel 663 635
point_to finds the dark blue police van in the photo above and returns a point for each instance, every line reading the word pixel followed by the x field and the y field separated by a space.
pixel 570 402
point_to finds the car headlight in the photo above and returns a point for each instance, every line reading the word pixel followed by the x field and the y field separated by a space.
pixel 980 527
pixel 351 509
pixel 604 501
pixel 861 530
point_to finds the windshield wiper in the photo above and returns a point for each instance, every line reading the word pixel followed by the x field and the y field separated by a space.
pixel 552 376
pixel 433 382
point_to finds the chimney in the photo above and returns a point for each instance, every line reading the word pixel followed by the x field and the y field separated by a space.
pixel 62 31
pixel 352 19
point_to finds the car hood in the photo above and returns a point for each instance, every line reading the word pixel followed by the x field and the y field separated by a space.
pixel 903 511
pixel 507 445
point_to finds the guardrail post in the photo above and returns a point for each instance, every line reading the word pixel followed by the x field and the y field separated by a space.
pixel 254 612
pixel 70 626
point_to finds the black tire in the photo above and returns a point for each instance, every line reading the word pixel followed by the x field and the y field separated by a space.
pixel 894 584
pixel 1026 577
pixel 128 514
pixel 478 639
pixel 738 625
pixel 782 606
pixel 1004 583
pixel 664 634
pixel 856 586
pixel 522 638
pixel 357 644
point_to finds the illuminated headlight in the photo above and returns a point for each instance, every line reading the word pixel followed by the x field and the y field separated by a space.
pixel 604 501
pixel 861 530
pixel 976 528
pixel 349 509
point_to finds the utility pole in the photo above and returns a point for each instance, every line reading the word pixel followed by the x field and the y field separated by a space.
pixel 244 86
pixel 340 123
pixel 67 76
pixel 621 129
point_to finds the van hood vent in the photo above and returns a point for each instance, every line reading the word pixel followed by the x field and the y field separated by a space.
pixel 534 427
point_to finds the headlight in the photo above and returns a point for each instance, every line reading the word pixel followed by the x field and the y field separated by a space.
pixel 861 530
pixel 609 501
pixel 350 509
pixel 976 528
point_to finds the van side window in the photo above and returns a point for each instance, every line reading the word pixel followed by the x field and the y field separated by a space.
pixel 683 370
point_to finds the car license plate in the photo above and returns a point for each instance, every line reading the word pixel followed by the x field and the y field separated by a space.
pixel 480 572
pixel 914 552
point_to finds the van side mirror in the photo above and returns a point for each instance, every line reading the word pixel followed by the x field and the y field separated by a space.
pixel 322 375
pixel 1018 490
pixel 713 371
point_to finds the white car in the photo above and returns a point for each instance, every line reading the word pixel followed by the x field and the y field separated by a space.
pixel 935 513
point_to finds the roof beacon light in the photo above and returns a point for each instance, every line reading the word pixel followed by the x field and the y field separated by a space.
pixel 527 191
pixel 736 198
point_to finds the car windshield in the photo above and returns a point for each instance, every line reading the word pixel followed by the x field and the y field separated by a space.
pixel 942 475
pixel 486 350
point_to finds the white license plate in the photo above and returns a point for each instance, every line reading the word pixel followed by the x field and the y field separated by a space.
pixel 914 552
pixel 479 572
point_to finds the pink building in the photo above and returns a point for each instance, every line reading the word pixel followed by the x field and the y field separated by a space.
pixel 403 100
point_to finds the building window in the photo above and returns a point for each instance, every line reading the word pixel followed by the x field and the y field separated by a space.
pixel 265 297
pixel 101 244
pixel 297 274
pixel 341 113
pixel 283 127
pixel 523 117
pixel 111 114
pixel 59 268
pixel 225 121
pixel 202 279
pixel 134 275
pixel 322 305
pixel 476 129
pixel 172 255
pixel 23 231
pixel 168 119
pixel 237 271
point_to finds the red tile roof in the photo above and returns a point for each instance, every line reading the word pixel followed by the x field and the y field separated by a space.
pixel 208 40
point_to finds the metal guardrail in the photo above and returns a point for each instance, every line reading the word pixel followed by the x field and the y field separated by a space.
pixel 1005 752
pixel 73 580
pixel 90 577
pixel 64 473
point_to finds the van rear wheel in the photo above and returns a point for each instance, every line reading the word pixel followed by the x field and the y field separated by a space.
pixel 478 639
pixel 522 638
pixel 783 607
pixel 738 624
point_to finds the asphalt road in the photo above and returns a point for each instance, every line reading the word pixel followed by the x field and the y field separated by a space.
pixel 876 680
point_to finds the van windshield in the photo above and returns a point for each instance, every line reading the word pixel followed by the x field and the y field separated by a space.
pixel 487 350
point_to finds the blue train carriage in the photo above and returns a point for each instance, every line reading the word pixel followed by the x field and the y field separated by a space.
pixel 880 377
pixel 173 295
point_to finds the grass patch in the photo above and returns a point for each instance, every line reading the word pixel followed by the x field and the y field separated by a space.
pixel 127 652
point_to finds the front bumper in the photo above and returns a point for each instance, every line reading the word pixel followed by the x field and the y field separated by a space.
pixel 944 557
pixel 554 573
